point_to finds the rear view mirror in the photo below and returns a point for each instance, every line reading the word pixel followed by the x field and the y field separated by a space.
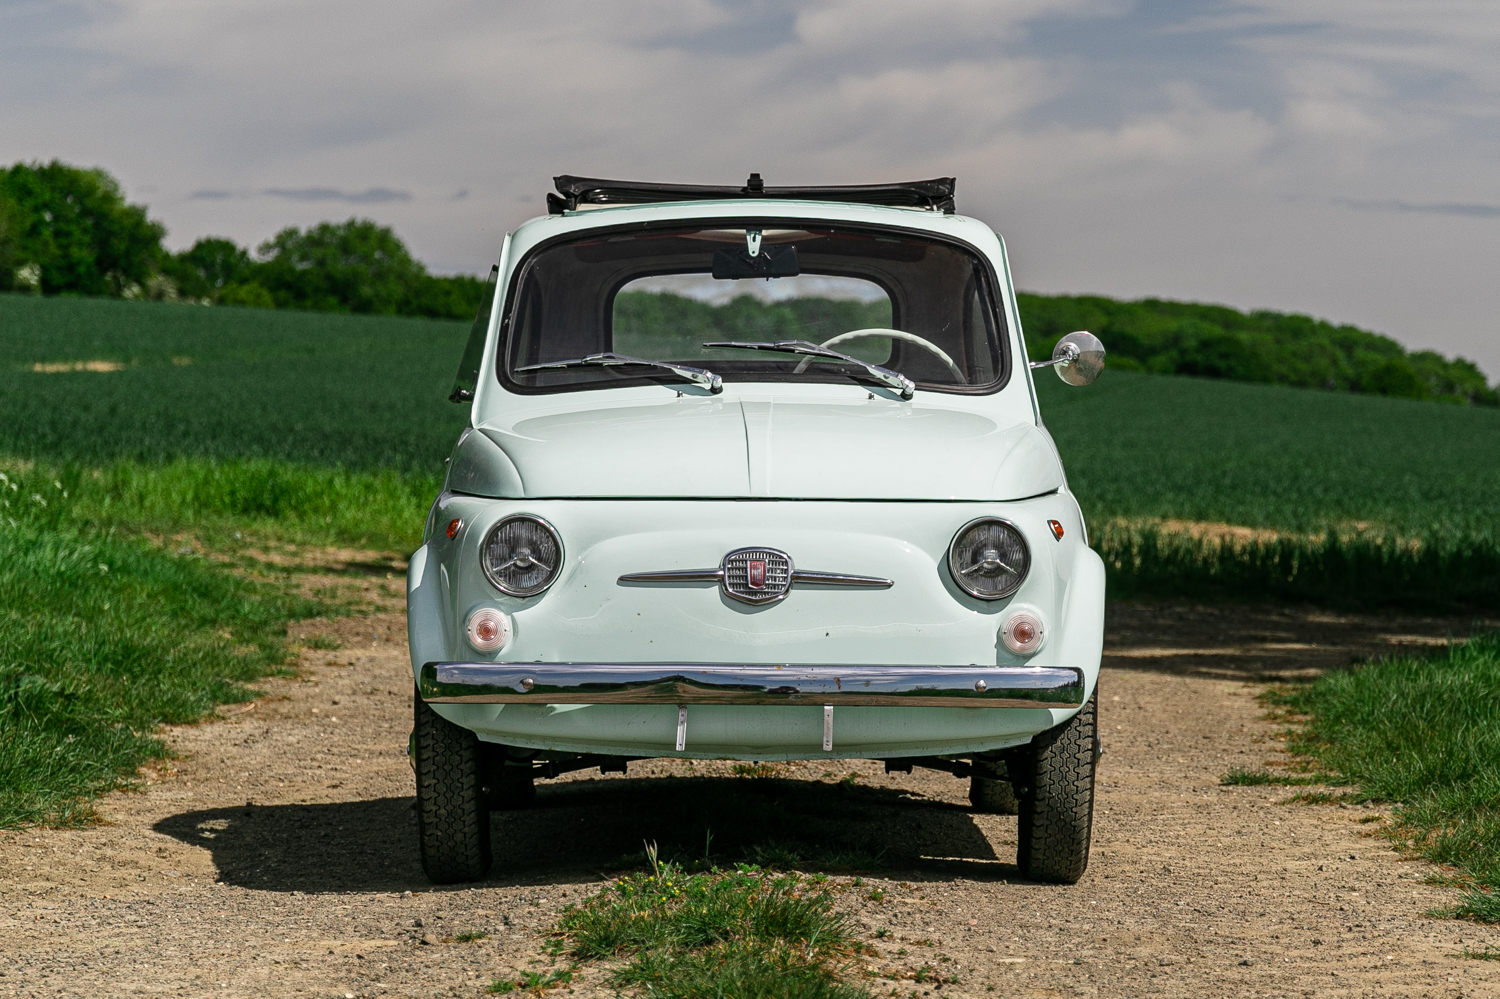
pixel 1078 358
pixel 768 262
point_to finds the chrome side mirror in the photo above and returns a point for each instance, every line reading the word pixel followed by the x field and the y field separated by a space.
pixel 1078 358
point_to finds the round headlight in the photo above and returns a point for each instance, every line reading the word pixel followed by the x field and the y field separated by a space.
pixel 521 556
pixel 989 559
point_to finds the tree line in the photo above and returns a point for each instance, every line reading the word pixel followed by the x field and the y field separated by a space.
pixel 1214 341
pixel 69 231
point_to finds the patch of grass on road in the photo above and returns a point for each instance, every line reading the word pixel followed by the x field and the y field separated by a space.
pixel 1422 731
pixel 103 638
pixel 745 933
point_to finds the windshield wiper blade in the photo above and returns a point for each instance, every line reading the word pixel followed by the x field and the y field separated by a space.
pixel 884 376
pixel 698 376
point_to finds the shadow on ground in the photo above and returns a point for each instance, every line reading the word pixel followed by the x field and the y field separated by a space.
pixel 1263 644
pixel 598 826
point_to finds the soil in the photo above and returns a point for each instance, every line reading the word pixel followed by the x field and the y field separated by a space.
pixel 276 856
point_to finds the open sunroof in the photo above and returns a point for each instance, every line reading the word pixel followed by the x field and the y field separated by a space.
pixel 934 195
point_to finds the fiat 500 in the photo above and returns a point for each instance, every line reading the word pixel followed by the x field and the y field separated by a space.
pixel 755 473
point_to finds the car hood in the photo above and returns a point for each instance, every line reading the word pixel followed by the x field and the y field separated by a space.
pixel 718 449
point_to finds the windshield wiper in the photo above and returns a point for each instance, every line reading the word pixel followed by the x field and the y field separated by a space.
pixel 698 376
pixel 884 376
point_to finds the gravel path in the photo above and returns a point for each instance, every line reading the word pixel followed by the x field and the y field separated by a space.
pixel 276 857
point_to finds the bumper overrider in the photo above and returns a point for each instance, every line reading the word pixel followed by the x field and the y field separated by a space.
pixel 703 683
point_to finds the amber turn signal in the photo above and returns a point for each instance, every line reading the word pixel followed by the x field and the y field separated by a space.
pixel 1057 529
pixel 455 524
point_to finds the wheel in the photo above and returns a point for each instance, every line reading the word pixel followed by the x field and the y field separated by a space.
pixel 453 818
pixel 990 789
pixel 1054 778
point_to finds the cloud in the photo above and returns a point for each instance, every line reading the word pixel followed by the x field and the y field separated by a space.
pixel 1198 149
pixel 1468 211
pixel 372 196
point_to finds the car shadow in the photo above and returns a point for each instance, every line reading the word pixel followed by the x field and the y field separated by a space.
pixel 1262 643
pixel 582 829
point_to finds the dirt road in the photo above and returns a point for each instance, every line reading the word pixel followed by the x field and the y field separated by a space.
pixel 277 856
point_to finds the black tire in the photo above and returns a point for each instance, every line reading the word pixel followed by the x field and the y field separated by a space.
pixel 990 789
pixel 1055 789
pixel 453 817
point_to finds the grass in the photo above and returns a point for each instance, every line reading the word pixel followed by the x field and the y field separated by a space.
pixel 745 933
pixel 1241 777
pixel 225 383
pixel 332 429
pixel 105 637
pixel 1422 732
pixel 1353 499
pixel 266 499
pixel 1440 570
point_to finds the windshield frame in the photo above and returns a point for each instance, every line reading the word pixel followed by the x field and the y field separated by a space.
pixel 993 292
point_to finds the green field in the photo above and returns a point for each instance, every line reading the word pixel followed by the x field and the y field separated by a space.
pixel 324 427
pixel 245 426
pixel 362 392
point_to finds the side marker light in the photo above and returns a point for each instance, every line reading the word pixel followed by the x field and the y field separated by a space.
pixel 453 526
pixel 1057 529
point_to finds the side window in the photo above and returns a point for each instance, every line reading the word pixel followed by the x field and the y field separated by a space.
pixel 979 339
pixel 468 365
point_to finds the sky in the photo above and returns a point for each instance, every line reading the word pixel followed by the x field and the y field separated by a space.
pixel 1333 158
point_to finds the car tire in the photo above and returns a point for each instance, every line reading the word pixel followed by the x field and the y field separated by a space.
pixel 990 790
pixel 1056 796
pixel 453 818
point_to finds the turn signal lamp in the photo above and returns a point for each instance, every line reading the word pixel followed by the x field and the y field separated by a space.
pixel 488 629
pixel 1022 633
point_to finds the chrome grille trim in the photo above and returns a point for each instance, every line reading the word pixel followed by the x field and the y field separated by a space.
pixel 774 570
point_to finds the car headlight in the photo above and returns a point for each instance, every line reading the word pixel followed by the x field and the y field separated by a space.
pixel 989 559
pixel 521 556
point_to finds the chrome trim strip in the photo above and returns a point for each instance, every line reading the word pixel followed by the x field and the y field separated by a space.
pixel 839 579
pixel 716 683
pixel 674 576
pixel 798 576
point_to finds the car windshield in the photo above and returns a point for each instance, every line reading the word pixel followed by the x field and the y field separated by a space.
pixel 919 306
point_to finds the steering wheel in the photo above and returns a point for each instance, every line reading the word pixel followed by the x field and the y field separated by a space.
pixel 894 335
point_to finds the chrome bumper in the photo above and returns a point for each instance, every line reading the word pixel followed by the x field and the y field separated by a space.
pixel 701 683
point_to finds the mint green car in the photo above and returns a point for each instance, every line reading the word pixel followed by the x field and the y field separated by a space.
pixel 756 474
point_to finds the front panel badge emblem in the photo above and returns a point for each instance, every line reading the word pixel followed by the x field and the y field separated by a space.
pixel 756 575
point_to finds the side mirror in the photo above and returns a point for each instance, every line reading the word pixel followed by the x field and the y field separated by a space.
pixel 1078 358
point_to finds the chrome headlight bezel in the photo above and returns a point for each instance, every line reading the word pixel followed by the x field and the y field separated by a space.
pixel 956 568
pixel 510 587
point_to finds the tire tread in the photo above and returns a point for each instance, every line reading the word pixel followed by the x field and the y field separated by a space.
pixel 453 819
pixel 1056 814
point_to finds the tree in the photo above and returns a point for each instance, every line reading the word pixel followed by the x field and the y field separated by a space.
pixel 353 266
pixel 75 225
pixel 208 267
pixel 10 235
